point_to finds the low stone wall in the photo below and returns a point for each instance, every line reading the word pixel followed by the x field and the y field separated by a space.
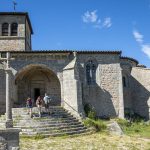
pixel 9 139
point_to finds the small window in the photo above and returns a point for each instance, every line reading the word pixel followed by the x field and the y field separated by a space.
pixel 14 29
pixel 124 82
pixel 3 55
pixel 91 72
pixel 5 27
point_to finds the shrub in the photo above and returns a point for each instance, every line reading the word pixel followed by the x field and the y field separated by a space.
pixel 87 108
pixel 99 125
pixel 92 114
pixel 89 111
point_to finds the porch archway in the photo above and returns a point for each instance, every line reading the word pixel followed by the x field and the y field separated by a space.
pixel 36 80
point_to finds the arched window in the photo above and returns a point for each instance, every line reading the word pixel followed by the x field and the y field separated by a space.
pixel 91 72
pixel 14 29
pixel 124 82
pixel 5 27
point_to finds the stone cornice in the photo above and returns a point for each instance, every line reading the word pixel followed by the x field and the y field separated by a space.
pixel 11 38
pixel 71 51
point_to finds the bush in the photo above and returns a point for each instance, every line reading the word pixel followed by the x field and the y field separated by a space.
pixel 89 111
pixel 87 108
pixel 92 114
pixel 99 125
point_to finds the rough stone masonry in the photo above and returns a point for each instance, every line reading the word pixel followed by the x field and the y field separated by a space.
pixel 109 83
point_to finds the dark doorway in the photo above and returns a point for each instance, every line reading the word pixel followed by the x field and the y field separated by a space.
pixel 36 93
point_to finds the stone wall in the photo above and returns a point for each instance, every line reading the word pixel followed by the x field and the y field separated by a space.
pixel 12 44
pixel 72 100
pixel 141 90
pixel 105 95
pixel 127 66
pixel 9 139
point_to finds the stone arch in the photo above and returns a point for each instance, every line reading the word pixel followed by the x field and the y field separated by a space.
pixel 35 80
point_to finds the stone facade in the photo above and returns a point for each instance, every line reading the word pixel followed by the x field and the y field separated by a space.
pixel 111 84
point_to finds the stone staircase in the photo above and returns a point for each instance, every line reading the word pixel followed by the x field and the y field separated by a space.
pixel 58 123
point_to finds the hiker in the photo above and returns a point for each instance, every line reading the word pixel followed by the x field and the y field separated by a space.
pixel 29 105
pixel 47 102
pixel 39 103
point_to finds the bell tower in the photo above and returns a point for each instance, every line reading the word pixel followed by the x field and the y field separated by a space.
pixel 15 31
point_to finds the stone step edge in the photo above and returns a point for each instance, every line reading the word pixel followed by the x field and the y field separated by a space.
pixel 58 133
pixel 52 125
pixel 53 128
pixel 55 131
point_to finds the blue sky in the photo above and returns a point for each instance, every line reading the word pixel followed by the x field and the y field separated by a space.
pixel 89 25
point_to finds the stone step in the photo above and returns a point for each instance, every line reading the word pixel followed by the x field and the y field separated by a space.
pixel 59 122
pixel 45 120
pixel 35 109
pixel 59 133
pixel 30 131
pixel 50 125
pixel 51 129
pixel 36 112
pixel 43 116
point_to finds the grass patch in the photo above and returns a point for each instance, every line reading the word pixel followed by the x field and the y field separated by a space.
pixel 135 128
pixel 98 124
pixel 36 137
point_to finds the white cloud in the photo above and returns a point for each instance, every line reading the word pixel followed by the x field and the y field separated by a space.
pixel 93 18
pixel 107 22
pixel 146 49
pixel 90 17
pixel 138 37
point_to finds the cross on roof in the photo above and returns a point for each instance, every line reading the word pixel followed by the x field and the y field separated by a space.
pixel 7 59
pixel 14 3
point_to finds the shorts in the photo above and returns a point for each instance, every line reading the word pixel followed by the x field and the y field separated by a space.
pixel 29 106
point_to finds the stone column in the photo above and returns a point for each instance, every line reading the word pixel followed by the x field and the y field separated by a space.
pixel 9 121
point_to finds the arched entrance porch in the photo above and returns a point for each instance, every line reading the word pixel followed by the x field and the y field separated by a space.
pixel 36 80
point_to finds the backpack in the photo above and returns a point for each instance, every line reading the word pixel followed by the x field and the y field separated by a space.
pixel 46 99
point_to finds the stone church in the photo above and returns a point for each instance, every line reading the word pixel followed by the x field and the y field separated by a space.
pixel 109 82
